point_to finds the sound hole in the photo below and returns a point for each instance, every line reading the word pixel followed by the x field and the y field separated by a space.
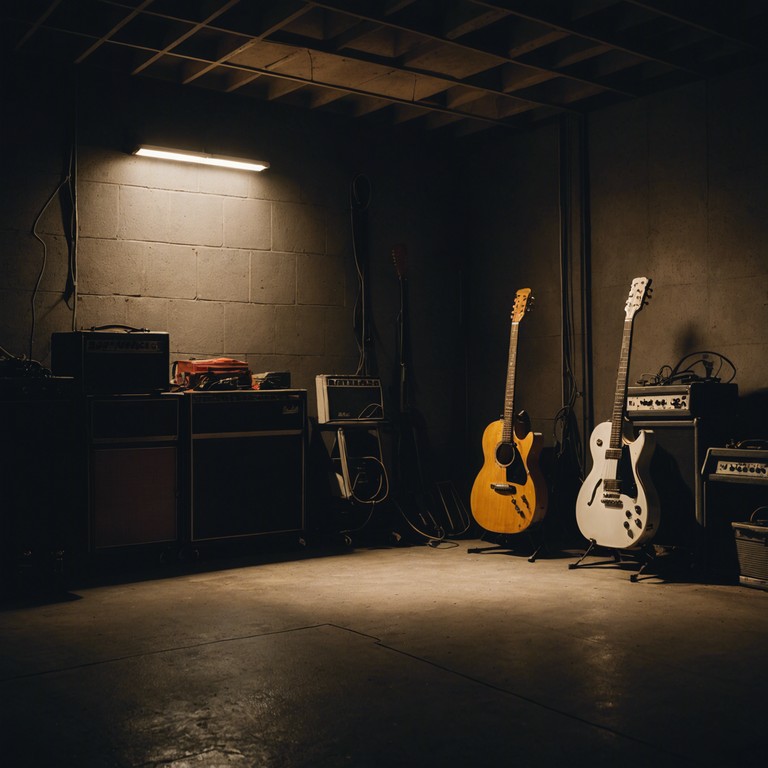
pixel 505 454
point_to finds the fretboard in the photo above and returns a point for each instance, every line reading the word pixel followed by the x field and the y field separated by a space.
pixel 509 397
pixel 620 400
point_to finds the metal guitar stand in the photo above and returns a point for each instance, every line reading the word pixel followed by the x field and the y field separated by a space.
pixel 537 544
pixel 645 556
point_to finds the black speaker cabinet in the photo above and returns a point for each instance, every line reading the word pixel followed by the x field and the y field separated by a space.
pixel 681 445
pixel 133 444
pixel 246 463
pixel 38 461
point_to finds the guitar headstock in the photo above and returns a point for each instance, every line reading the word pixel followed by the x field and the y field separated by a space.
pixel 400 259
pixel 523 303
pixel 639 296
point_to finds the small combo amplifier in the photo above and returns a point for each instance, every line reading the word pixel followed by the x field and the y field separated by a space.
pixel 123 362
pixel 752 549
pixel 681 400
pixel 348 398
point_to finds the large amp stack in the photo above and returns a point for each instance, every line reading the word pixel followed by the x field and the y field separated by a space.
pixel 152 473
pixel 687 420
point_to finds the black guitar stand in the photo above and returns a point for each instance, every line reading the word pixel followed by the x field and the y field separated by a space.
pixel 533 535
pixel 645 556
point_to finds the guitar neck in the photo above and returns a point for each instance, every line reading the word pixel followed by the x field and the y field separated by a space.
pixel 620 400
pixel 509 396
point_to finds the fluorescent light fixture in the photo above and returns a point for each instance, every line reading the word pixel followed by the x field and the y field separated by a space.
pixel 201 158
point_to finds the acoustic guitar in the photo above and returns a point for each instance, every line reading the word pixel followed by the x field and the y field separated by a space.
pixel 617 505
pixel 509 493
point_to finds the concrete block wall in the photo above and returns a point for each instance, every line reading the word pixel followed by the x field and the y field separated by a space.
pixel 252 266
pixel 679 195
pixel 229 263
pixel 261 267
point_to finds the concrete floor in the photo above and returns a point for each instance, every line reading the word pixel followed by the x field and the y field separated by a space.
pixel 399 656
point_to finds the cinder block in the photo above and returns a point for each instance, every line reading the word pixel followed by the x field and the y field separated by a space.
pixel 93 311
pixel 272 185
pixel 144 214
pixel 171 271
pixel 196 325
pixel 98 206
pixel 320 279
pixel 225 182
pixel 273 278
pixel 247 224
pixel 298 228
pixel 249 328
pixel 300 330
pixel 223 274
pixel 111 266
pixel 196 219
pixel 148 313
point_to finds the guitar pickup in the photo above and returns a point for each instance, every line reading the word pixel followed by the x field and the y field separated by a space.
pixel 503 488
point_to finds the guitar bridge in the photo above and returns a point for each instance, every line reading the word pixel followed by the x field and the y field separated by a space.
pixel 504 488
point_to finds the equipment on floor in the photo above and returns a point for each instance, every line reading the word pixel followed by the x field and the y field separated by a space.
pixel 752 549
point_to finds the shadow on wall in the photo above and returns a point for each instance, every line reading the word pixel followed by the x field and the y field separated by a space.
pixel 752 419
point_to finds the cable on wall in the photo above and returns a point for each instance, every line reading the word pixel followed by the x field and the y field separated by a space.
pixel 704 365
pixel 66 191
pixel 566 433
pixel 360 193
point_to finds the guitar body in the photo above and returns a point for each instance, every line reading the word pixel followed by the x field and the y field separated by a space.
pixel 509 499
pixel 625 516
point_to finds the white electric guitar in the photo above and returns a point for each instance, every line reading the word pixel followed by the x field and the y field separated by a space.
pixel 617 505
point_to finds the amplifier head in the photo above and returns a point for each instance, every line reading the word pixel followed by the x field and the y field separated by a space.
pixel 102 362
pixel 681 400
pixel 348 398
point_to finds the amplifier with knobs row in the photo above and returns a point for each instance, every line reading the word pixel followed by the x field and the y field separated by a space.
pixel 735 491
pixel 681 400
pixel 734 463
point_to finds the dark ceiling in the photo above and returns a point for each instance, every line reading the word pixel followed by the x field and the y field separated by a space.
pixel 458 65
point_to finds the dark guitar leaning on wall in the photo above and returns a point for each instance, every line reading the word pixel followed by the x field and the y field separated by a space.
pixel 412 487
pixel 509 493
pixel 617 506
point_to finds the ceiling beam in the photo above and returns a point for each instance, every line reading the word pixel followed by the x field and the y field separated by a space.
pixel 695 15
pixel 585 27
pixel 365 12
pixel 479 83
